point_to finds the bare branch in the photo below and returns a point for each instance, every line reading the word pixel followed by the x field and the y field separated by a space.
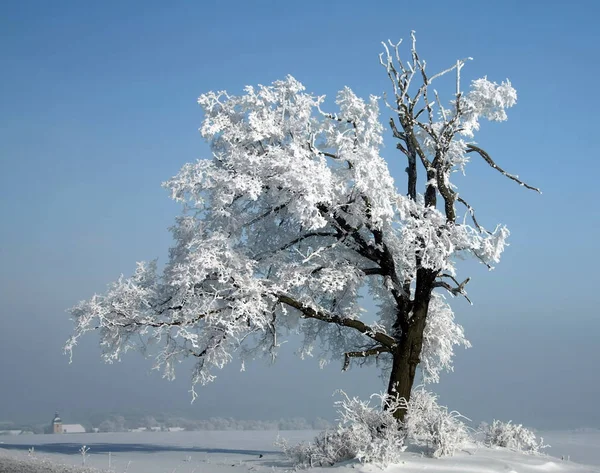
pixel 401 148
pixel 332 156
pixel 155 324
pixel 480 258
pixel 266 214
pixel 447 193
pixel 455 291
pixel 395 132
pixel 295 241
pixel 449 276
pixel 439 102
pixel 334 116
pixel 459 64
pixel 372 271
pixel 362 354
pixel 472 212
pixel 490 161
pixel 364 249
pixel 396 47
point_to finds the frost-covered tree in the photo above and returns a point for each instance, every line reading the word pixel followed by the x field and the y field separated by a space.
pixel 296 213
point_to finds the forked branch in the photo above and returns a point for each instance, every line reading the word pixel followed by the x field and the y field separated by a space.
pixel 459 290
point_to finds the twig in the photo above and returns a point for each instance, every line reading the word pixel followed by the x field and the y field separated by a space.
pixel 472 213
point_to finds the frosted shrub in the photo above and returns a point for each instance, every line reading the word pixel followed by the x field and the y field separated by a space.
pixel 509 435
pixel 373 435
pixel 368 434
pixel 328 448
pixel 430 425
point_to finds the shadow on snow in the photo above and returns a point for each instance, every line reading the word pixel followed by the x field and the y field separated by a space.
pixel 73 448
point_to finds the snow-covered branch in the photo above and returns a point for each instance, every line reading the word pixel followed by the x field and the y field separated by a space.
pixel 356 324
pixel 363 354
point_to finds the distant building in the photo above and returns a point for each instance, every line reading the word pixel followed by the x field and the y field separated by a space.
pixel 57 425
pixel 73 429
pixel 59 428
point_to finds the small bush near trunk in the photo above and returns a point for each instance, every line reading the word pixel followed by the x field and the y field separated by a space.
pixel 372 434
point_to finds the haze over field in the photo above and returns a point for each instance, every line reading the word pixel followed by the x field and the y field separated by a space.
pixel 99 109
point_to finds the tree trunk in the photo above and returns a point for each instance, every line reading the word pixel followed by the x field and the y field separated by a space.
pixel 404 365
pixel 407 356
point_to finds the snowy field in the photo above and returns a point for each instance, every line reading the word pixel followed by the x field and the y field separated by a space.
pixel 242 451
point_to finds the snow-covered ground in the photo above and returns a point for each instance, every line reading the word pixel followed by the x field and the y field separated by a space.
pixel 241 451
pixel 582 446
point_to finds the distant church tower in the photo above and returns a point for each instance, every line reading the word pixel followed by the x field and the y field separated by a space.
pixel 57 425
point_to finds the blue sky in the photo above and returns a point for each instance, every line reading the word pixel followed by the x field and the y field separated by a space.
pixel 98 105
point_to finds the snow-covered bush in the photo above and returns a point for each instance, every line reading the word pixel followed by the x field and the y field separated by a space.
pixel 514 436
pixel 430 425
pixel 368 434
pixel 373 435
pixel 328 448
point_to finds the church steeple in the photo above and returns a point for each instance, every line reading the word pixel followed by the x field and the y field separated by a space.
pixel 57 424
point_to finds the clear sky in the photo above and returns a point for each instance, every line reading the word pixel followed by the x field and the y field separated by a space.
pixel 98 107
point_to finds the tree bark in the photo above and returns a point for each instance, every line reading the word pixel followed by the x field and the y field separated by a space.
pixel 407 356
pixel 404 365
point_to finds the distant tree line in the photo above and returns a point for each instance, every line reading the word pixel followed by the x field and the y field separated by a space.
pixel 118 423
pixel 164 422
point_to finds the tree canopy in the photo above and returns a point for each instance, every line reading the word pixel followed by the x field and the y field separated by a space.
pixel 296 212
